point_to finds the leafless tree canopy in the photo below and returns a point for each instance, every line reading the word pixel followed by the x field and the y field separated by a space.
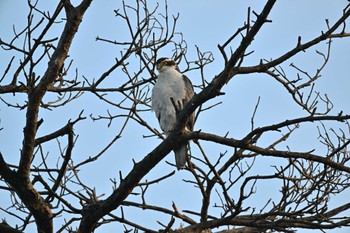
pixel 45 193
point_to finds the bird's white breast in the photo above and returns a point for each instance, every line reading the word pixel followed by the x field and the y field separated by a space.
pixel 170 84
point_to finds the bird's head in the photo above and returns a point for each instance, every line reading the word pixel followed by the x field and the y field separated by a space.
pixel 164 64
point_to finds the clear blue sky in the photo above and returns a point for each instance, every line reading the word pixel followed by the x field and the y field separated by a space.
pixel 203 24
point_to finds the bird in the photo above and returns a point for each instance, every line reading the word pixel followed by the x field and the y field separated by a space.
pixel 171 92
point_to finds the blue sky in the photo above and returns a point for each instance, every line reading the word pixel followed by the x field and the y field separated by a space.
pixel 204 24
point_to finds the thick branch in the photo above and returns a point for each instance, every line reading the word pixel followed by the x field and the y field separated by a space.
pixel 36 94
pixel 5 228
pixel 93 212
pixel 21 182
pixel 214 88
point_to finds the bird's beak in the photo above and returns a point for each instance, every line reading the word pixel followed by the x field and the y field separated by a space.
pixel 159 66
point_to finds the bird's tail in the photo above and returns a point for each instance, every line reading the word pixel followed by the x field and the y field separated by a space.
pixel 181 154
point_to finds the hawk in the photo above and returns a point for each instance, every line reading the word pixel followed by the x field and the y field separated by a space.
pixel 172 88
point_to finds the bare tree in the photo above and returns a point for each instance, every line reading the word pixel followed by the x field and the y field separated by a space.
pixel 45 189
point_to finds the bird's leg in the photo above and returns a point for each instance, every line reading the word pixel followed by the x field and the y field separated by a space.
pixel 177 106
pixel 180 105
pixel 176 111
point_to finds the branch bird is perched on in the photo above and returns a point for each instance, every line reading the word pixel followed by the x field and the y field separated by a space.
pixel 172 88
